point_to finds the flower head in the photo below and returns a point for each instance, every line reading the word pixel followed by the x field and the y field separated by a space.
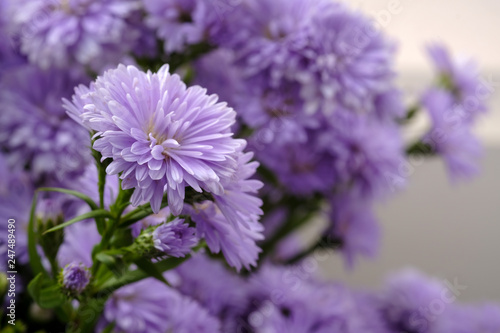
pixel 96 33
pixel 175 238
pixel 35 130
pixel 231 222
pixel 461 78
pixel 182 22
pixel 150 306
pixel 75 277
pixel 450 135
pixel 354 227
pixel 161 135
pixel 329 53
pixel 16 194
pixel 406 299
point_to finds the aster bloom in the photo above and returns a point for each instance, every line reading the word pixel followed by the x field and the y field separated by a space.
pixel 75 277
pixel 175 238
pixel 35 130
pixel 407 301
pixel 150 306
pixel 302 167
pixel 231 222
pixel 151 220
pixel 288 299
pixel 16 192
pixel 461 78
pixel 182 22
pixel 222 294
pixel 238 244
pixel 332 54
pixel 354 227
pixel 450 136
pixel 161 135
pixel 366 155
pixel 61 33
pixel 461 318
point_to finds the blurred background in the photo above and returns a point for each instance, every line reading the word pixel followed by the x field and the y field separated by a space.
pixel 451 231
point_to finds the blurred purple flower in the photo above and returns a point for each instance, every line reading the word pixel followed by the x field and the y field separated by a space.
pixel 450 136
pixel 222 294
pixel 461 78
pixel 366 155
pixel 62 33
pixel 180 23
pixel 16 194
pixel 407 301
pixel 35 130
pixel 354 227
pixel 150 306
pixel 333 54
pixel 79 241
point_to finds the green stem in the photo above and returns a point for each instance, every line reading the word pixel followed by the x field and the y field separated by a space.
pixel 410 114
pixel 322 243
pixel 299 213
pixel 420 148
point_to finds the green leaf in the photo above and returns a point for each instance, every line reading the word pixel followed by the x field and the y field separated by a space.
pixel 109 328
pixel 90 215
pixel 35 287
pixel 51 297
pixel 77 194
pixel 35 260
pixel 139 213
pixel 148 267
pixel 45 292
pixel 113 259
pixel 138 274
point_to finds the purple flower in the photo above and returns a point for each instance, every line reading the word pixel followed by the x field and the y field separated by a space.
pixel 468 318
pixel 151 306
pixel 9 56
pixel 460 78
pixel 450 135
pixel 231 222
pixel 161 135
pixel 366 155
pixel 301 167
pixel 75 277
pixel 223 295
pixel 354 227
pixel 16 193
pixel 332 54
pixel 175 238
pixel 289 299
pixel 153 219
pixel 224 83
pixel 347 152
pixel 35 130
pixel 408 300
pixel 238 244
pixel 62 33
pixel 182 22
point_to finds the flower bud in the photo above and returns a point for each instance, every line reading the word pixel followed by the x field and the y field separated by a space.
pixel 75 278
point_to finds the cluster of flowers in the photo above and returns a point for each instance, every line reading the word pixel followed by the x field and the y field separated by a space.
pixel 90 105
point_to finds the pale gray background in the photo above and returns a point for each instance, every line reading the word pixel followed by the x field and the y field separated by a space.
pixel 450 231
